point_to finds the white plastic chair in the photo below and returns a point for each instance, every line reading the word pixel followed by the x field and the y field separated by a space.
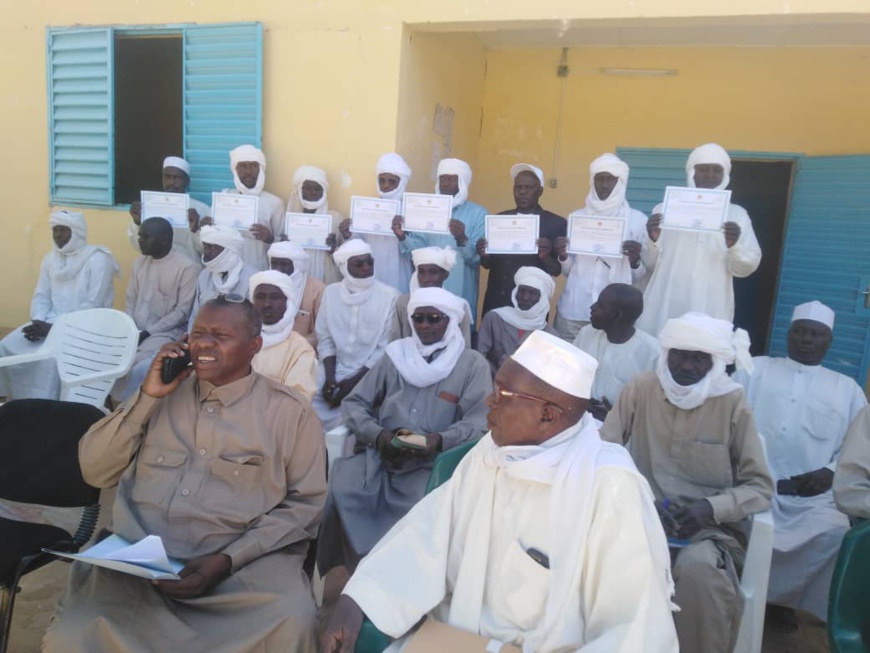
pixel 753 583
pixel 336 439
pixel 92 348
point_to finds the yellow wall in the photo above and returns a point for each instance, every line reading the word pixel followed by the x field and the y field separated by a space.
pixel 811 100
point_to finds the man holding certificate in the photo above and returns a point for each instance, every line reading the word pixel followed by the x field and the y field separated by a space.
pixel 528 188
pixel 704 251
pixel 465 228
pixel 602 247
pixel 176 179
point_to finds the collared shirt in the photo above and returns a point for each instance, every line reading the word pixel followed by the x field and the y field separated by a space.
pixel 236 469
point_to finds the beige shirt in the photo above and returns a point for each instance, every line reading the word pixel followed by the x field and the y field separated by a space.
pixel 292 362
pixel 308 309
pixel 712 452
pixel 238 469
pixel 852 478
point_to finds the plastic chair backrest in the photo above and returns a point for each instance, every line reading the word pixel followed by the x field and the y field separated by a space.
pixel 753 583
pixel 849 599
pixel 93 348
pixel 446 463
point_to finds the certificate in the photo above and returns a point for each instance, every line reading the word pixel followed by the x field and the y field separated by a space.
pixel 234 210
pixel 172 206
pixel 371 215
pixel 512 234
pixel 596 236
pixel 308 230
pixel 695 209
pixel 428 213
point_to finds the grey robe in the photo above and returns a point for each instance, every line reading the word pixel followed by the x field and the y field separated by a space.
pixel 497 339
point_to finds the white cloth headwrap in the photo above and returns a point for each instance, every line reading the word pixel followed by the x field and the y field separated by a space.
pixel 409 354
pixel 246 153
pixel 462 170
pixel 69 259
pixel 293 252
pixel 277 333
pixel 393 164
pixel 229 261
pixel 75 221
pixel 317 175
pixel 176 162
pixel 615 204
pixel 517 168
pixel 815 311
pixel 353 290
pixel 443 257
pixel 700 332
pixel 536 317
pixel 707 154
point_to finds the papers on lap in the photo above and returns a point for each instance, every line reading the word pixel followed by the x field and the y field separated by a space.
pixel 436 637
pixel 695 209
pixel 372 215
pixel 146 558
pixel 171 206
pixel 512 234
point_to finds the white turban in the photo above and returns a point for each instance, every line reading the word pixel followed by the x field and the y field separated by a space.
pixel 709 154
pixel 409 354
pixel 75 220
pixel 225 237
pixel 536 317
pixel 317 175
pixel 293 252
pixel 615 204
pixel 462 170
pixel 350 284
pixel 557 363
pixel 393 164
pixel 274 334
pixel 815 311
pixel 443 257
pixel 229 261
pixel 248 153
pixel 517 168
pixel 700 332
pixel 176 162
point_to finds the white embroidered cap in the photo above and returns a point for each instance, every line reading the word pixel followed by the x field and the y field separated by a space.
pixel 557 363
pixel 815 311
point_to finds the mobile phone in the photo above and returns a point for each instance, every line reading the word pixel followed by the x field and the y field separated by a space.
pixel 787 486
pixel 172 367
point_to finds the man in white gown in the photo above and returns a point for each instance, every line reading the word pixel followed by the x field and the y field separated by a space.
pixel 581 563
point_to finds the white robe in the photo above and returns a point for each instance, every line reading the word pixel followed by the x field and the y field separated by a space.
pixel 92 287
pixel 392 267
pixel 617 363
pixel 456 557
pixel 184 241
pixel 802 413
pixel 694 271
pixel 270 212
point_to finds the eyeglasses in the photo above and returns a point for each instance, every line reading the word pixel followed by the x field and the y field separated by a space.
pixel 498 392
pixel 429 318
pixel 233 298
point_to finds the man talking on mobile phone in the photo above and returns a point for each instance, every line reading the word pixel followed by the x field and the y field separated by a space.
pixel 228 468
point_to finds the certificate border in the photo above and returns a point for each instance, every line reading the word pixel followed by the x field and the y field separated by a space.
pixel 326 216
pixel 573 216
pixel 142 201
pixel 511 215
pixel 715 191
pixel 256 209
pixel 427 231
pixel 353 201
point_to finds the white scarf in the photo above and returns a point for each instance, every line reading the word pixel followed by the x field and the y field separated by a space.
pixel 462 170
pixel 393 164
pixel 711 153
pixel 67 261
pixel 292 251
pixel 227 262
pixel 615 206
pixel 274 334
pixel 536 317
pixel 714 384
pixel 248 153
pixel 303 174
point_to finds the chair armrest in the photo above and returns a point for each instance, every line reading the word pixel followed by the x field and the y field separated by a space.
pixel 335 440
pixel 40 354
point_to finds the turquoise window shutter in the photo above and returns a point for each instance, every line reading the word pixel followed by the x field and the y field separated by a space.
pixel 81 116
pixel 650 172
pixel 223 108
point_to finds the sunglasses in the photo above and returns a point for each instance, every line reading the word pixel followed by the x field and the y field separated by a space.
pixel 507 394
pixel 429 318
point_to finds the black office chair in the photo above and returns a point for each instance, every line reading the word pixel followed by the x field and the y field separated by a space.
pixel 39 464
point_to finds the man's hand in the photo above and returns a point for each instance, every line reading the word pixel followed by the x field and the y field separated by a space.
pixel 262 233
pixel 814 483
pixel 344 387
pixel 561 246
pixel 732 233
pixel 332 243
pixel 631 249
pixel 153 385
pixel 207 221
pixel 384 445
pixel 143 336
pixel 36 330
pixel 136 212
pixel 669 524
pixel 693 517
pixel 481 247
pixel 457 230
pixel 398 222
pixel 342 629
pixel 193 220
pixel 545 248
pixel 654 227
pixel 344 229
pixel 199 576
pixel 434 445
pixel 599 409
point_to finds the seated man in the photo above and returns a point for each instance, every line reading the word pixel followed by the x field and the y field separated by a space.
pixel 225 273
pixel 429 384
pixel 227 467
pixel 353 327
pixel 545 537
pixel 852 478
pixel 286 357
pixel 159 298
pixel 432 266
pixel 803 412
pixel 72 277
pixel 503 329
pixel 622 351
pixel 691 433
pixel 290 259
pixel 310 188
pixel 176 179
